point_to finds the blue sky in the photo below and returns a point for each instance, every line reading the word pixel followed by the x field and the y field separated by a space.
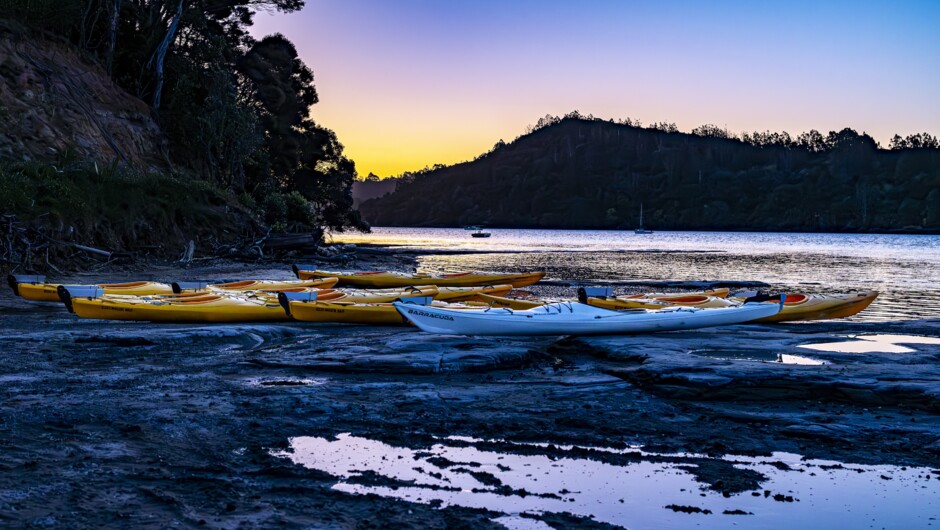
pixel 414 82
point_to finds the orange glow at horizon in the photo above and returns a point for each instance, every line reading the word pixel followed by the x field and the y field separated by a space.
pixel 413 83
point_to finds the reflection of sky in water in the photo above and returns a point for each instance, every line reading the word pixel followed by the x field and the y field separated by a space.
pixel 759 356
pixel 905 268
pixel 873 344
pixel 858 245
pixel 633 495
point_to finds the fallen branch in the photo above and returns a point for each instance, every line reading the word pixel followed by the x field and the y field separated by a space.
pixel 189 252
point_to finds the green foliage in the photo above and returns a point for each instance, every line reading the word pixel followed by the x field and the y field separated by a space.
pixel 299 209
pixel 712 131
pixel 275 209
pixel 915 141
pixel 117 207
pixel 812 140
pixel 283 210
pixel 234 110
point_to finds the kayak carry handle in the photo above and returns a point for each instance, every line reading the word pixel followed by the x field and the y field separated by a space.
pixel 179 287
pixel 417 300
pixel 761 296
pixel 14 280
pixel 67 292
pixel 299 296
pixel 594 292
pixel 297 268
pixel 285 298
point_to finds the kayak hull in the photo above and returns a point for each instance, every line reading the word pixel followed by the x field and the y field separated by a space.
pixel 462 294
pixel 209 308
pixel 49 292
pixel 368 296
pixel 571 318
pixel 509 303
pixel 379 314
pixel 274 285
pixel 694 300
pixel 822 307
pixel 371 314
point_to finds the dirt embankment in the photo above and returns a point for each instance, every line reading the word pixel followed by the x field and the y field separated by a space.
pixel 54 101
pixel 83 162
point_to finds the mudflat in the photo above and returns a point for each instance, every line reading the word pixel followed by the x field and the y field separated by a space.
pixel 339 426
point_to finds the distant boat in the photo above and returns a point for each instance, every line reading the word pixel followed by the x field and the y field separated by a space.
pixel 642 230
pixel 473 227
pixel 480 233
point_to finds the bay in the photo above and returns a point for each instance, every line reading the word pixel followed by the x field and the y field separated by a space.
pixel 905 269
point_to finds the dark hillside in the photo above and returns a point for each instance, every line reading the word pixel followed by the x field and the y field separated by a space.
pixel 54 100
pixel 579 173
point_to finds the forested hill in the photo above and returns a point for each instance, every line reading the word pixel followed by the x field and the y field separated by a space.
pixel 588 173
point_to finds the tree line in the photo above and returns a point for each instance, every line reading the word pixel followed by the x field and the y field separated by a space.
pixel 580 172
pixel 813 140
pixel 234 109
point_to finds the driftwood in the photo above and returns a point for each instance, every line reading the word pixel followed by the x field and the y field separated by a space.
pixel 93 250
pixel 189 252
pixel 291 241
pixel 28 246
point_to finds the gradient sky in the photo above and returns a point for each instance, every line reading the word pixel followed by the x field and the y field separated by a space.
pixel 410 83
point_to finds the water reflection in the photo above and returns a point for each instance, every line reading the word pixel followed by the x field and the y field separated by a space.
pixel 795 491
pixel 873 344
pixel 759 356
pixel 857 245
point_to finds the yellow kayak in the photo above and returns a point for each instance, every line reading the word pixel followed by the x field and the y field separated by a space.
pixel 374 296
pixel 257 285
pixel 201 307
pixel 462 294
pixel 400 279
pixel 659 302
pixel 510 303
pixel 383 314
pixel 717 293
pixel 48 292
pixel 821 306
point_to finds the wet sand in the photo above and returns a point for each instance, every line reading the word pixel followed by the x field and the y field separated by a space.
pixel 132 424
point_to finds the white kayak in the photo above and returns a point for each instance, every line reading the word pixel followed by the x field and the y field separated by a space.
pixel 573 318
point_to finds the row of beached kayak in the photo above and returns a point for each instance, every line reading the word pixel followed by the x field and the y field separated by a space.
pixel 473 303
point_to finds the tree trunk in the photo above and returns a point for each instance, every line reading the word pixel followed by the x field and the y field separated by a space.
pixel 112 35
pixel 160 54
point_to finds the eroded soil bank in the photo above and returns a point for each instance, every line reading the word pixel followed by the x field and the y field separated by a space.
pixel 128 424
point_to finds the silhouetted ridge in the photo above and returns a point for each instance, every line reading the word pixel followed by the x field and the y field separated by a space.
pixel 580 173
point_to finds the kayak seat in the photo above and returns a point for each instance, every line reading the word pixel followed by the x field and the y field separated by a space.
pixel 795 299
pixel 684 299
pixel 235 285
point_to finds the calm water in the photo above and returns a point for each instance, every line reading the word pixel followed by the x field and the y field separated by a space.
pixel 824 494
pixel 905 268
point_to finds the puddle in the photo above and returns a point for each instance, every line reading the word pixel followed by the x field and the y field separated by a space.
pixel 285 382
pixel 758 356
pixel 873 344
pixel 514 522
pixel 635 494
